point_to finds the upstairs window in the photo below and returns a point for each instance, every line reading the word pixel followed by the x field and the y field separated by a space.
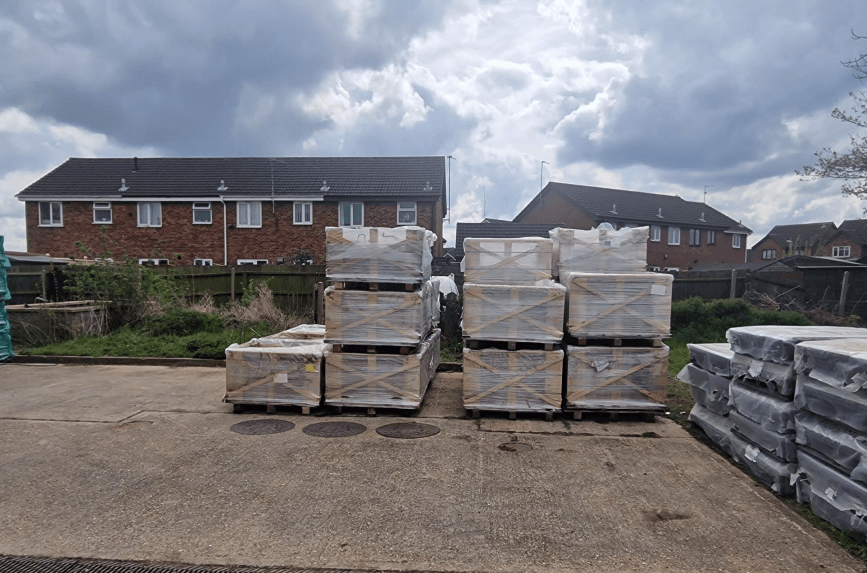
pixel 655 233
pixel 51 214
pixel 840 252
pixel 102 213
pixel 351 215
pixel 695 237
pixel 406 213
pixel 150 215
pixel 197 262
pixel 154 262
pixel 302 213
pixel 202 214
pixel 736 241
pixel 249 214
pixel 769 254
pixel 674 235
pixel 256 262
pixel 711 237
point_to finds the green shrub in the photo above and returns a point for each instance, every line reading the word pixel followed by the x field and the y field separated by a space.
pixel 184 322
pixel 698 320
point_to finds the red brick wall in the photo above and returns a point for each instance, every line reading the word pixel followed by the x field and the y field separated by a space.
pixel 278 236
pixel 556 209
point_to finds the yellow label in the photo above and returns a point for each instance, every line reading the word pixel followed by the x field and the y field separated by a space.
pixel 311 368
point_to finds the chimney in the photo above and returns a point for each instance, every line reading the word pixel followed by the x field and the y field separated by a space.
pixel 135 163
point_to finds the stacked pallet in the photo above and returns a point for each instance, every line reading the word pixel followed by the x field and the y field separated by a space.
pixel 709 377
pixel 380 317
pixel 512 327
pixel 6 352
pixel 617 316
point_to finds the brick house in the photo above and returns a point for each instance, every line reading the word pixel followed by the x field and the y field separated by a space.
pixel 850 240
pixel 783 241
pixel 241 210
pixel 683 233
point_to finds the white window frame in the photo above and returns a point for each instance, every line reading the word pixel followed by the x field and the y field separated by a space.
pixel 197 262
pixel 674 235
pixel 251 262
pixel 403 206
pixel 736 241
pixel 51 221
pixel 841 252
pixel 251 207
pixel 655 233
pixel 769 254
pixel 155 262
pixel 671 269
pixel 654 269
pixel 203 207
pixel 102 206
pixel 342 222
pixel 711 237
pixel 302 213
pixel 149 206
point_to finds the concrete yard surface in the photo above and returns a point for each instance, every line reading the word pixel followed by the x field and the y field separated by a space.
pixel 139 463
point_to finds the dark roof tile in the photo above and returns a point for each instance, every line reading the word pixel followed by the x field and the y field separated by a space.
pixel 498 229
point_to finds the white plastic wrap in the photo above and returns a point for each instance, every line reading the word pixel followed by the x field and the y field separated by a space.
pixel 715 357
pixel 378 254
pixel 600 250
pixel 605 378
pixel 379 317
pixel 776 343
pixel 840 363
pixel 276 372
pixel 302 332
pixel 513 381
pixel 514 313
pixel 772 412
pixel 619 305
pixel 707 389
pixel 718 428
pixel 779 378
pixel 507 261
pixel 846 447
pixel 768 469
pixel 781 446
pixel 848 408
pixel 832 496
pixel 382 380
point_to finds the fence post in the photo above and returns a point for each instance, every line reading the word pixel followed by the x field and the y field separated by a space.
pixel 842 307
pixel 44 285
pixel 319 303
pixel 733 289
pixel 232 281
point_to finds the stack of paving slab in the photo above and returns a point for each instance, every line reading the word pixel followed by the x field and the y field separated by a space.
pixel 617 316
pixel 381 314
pixel 512 326
pixel 283 369
pixel 709 377
pixel 6 352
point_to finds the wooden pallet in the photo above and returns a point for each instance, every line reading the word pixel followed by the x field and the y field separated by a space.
pixel 655 342
pixel 513 414
pixel 378 286
pixel 473 344
pixel 648 415
pixel 241 407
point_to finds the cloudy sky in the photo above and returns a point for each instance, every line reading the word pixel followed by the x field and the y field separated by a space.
pixel 662 97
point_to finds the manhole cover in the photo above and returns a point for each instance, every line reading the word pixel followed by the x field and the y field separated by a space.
pixel 261 427
pixel 407 430
pixel 334 429
pixel 515 447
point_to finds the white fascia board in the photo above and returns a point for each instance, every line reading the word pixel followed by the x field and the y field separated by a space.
pixel 738 232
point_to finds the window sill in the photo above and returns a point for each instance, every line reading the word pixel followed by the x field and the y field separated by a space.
pixel 248 227
pixel 56 225
pixel 200 223
pixel 310 224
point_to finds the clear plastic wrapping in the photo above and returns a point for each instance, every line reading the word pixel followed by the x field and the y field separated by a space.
pixel 513 380
pixel 849 408
pixel 514 313
pixel 715 357
pixel 276 372
pixel 846 447
pixel 378 254
pixel 776 343
pixel 605 378
pixel 718 428
pixel 379 317
pixel 841 363
pixel 832 496
pixel 781 446
pixel 619 305
pixel 507 261
pixel 707 389
pixel 768 469
pixel 772 412
pixel 779 378
pixel 600 250
pixel 382 380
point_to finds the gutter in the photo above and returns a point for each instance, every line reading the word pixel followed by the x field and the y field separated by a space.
pixel 225 242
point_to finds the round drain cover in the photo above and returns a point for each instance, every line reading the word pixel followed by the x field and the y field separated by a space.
pixel 407 430
pixel 261 427
pixel 334 429
pixel 515 447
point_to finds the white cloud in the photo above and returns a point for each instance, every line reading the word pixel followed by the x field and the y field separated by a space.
pixel 13 120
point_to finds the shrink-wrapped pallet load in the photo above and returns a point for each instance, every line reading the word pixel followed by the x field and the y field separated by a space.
pixel 378 254
pixel 708 389
pixel 507 261
pixel 606 378
pixel 513 381
pixel 600 250
pixel 385 318
pixel 775 473
pixel 780 446
pixel 776 343
pixel 832 495
pixel 619 305
pixel 275 371
pixel 774 413
pixel 514 313
pixel 840 446
pixel 714 357
pixel 382 380
pixel 718 428
pixel 779 378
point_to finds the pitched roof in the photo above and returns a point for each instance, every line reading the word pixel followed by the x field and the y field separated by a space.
pixel 855 228
pixel 396 177
pixel 495 229
pixel 806 234
pixel 636 207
